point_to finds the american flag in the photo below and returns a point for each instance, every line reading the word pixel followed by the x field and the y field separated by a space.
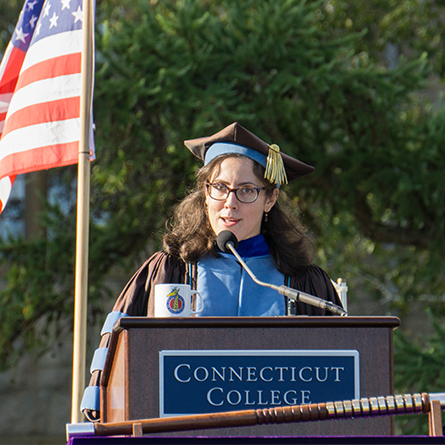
pixel 40 87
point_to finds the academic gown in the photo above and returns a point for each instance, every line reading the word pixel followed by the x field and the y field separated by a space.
pixel 137 298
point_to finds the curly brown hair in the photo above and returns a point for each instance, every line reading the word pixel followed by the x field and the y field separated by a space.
pixel 191 237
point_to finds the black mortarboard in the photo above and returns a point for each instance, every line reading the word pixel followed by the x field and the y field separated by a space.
pixel 280 168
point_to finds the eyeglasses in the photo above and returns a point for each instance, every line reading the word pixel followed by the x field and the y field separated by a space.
pixel 220 192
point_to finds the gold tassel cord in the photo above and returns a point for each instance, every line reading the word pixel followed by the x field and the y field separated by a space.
pixel 275 171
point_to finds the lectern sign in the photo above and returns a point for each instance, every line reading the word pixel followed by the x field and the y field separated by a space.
pixel 196 382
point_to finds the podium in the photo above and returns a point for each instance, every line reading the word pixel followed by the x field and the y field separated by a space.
pixel 132 385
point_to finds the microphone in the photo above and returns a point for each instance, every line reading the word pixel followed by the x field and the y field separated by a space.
pixel 228 242
pixel 225 238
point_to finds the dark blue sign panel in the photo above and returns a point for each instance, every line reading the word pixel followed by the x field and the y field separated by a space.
pixel 197 382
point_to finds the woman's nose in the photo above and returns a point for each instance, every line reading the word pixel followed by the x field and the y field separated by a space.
pixel 231 201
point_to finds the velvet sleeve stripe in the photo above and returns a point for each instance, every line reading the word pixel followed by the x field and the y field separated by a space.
pixel 91 399
pixel 111 320
pixel 98 362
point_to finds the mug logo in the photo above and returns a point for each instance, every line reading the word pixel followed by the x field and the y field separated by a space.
pixel 175 303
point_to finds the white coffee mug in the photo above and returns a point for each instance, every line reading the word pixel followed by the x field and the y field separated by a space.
pixel 175 300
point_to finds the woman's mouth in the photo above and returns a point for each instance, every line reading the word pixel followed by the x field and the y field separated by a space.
pixel 229 222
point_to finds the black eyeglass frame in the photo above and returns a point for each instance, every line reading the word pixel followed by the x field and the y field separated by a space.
pixel 229 190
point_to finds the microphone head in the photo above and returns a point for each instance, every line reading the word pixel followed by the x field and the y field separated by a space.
pixel 225 237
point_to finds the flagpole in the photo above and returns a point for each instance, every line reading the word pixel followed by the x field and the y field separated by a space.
pixel 83 208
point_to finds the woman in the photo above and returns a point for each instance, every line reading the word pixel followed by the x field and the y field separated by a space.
pixel 236 190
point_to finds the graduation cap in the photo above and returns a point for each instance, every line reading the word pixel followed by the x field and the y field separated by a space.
pixel 280 168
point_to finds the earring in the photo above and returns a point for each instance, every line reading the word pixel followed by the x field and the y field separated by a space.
pixel 265 216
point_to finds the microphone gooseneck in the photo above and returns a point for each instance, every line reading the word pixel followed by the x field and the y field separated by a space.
pixel 228 242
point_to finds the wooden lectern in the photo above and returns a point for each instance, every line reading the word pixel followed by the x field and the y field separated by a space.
pixel 130 384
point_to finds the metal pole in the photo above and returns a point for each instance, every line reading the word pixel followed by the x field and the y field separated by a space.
pixel 83 203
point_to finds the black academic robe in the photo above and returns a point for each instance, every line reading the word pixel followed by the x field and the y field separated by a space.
pixel 137 298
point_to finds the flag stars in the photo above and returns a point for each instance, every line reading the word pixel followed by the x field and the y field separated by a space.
pixel 32 21
pixel 37 31
pixel 46 9
pixel 20 35
pixel 41 18
pixel 78 15
pixel 53 20
pixel 31 5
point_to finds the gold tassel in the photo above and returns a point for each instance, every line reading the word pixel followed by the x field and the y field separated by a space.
pixel 275 171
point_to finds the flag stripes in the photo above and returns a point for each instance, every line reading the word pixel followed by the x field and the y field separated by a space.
pixel 39 114
pixel 5 190
pixel 40 88
pixel 61 66
pixel 43 92
pixel 52 155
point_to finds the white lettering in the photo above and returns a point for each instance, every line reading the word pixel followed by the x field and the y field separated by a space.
pixel 293 401
pixel 206 374
pixel 281 369
pixel 275 395
pixel 229 398
pixel 251 377
pixel 247 392
pixel 317 374
pixel 301 374
pixel 260 402
pixel 176 373
pixel 305 394
pixel 262 376
pixel 221 376
pixel 240 375
pixel 209 397
pixel 248 398
pixel 337 373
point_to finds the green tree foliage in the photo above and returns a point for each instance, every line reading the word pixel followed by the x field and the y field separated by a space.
pixel 414 26
pixel 310 76
pixel 9 14
pixel 420 368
